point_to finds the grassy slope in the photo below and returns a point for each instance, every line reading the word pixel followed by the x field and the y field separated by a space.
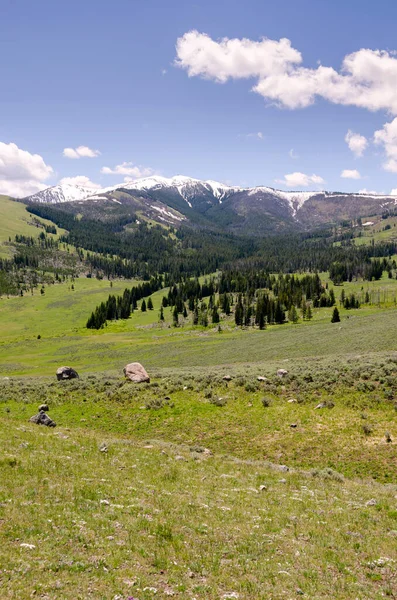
pixel 60 314
pixel 181 524
pixel 14 219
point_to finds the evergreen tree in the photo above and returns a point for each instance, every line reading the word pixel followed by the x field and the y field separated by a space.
pixel 239 313
pixel 335 316
pixel 175 318
pixel 161 314
pixel 184 312
pixel 304 309
pixel 150 303
pixel 293 315
pixel 215 315
pixel 309 314
pixel 143 306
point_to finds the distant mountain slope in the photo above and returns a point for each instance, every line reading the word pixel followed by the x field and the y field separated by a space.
pixel 211 204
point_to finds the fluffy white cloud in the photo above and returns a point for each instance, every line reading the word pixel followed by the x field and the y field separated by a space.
pixel 387 137
pixel 298 180
pixel 293 154
pixel 350 174
pixel 81 180
pixel 129 169
pixel 21 173
pixel 356 142
pixel 80 152
pixel 200 55
pixel 366 78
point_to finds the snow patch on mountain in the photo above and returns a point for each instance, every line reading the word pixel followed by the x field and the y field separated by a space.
pixel 295 200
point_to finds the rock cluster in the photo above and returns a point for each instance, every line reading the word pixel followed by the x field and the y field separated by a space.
pixel 42 418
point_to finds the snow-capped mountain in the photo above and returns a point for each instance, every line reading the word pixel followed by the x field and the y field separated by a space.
pixel 64 192
pixel 181 199
pixel 186 187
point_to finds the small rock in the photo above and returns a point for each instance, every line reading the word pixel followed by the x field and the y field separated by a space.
pixel 227 378
pixel 294 425
pixel 263 488
pixel 282 373
pixel 64 373
pixel 103 447
pixel 28 546
pixel 388 437
pixel 261 378
pixel 292 401
pixel 104 502
pixel 371 502
pixel 299 592
pixel 180 458
pixel 282 481
pixel 44 407
pixel 321 405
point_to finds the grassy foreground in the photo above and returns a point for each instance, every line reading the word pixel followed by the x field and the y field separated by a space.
pixel 152 519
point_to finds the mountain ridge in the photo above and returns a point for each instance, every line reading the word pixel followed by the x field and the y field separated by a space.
pixel 208 203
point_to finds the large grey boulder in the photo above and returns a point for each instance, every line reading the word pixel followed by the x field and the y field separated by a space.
pixel 136 372
pixel 42 419
pixel 66 373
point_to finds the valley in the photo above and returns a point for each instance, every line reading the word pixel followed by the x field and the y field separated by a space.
pixel 236 482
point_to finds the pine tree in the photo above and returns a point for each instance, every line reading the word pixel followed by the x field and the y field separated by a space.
pixel 304 309
pixel 239 313
pixel 335 316
pixel 175 318
pixel 143 306
pixel 184 312
pixel 215 315
pixel 150 303
pixel 293 315
pixel 161 314
pixel 309 314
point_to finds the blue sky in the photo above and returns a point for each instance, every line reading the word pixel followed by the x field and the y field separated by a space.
pixel 101 75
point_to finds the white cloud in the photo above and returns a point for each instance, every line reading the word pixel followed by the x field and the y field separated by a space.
pixel 366 78
pixel 128 168
pixel 293 154
pixel 81 180
pixel 200 55
pixel 387 137
pixel 258 135
pixel 370 192
pixel 21 173
pixel 350 174
pixel 356 142
pixel 298 180
pixel 80 152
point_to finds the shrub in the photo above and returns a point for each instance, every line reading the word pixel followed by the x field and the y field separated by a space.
pixel 218 401
pixel 367 429
pixel 266 402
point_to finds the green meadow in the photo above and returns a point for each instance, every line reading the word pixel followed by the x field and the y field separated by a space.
pixel 191 486
pixel 15 220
